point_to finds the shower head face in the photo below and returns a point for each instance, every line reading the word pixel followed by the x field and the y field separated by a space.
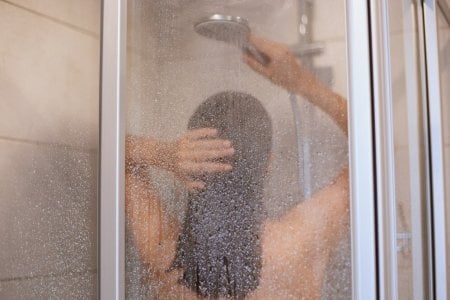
pixel 232 30
pixel 229 29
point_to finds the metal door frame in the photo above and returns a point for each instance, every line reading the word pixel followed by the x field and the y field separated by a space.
pixel 436 141
pixel 111 199
pixel 111 212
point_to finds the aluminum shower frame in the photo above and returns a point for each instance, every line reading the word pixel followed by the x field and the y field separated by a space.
pixel 440 251
pixel 111 212
pixel 111 203
pixel 362 169
pixel 385 157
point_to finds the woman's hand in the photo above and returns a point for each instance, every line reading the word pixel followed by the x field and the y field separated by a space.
pixel 196 153
pixel 283 69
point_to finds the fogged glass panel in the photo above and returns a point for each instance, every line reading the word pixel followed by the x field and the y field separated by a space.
pixel 444 68
pixel 409 149
pixel 236 153
pixel 49 70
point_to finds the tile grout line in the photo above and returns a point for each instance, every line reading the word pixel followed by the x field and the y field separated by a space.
pixel 37 143
pixel 61 274
pixel 53 19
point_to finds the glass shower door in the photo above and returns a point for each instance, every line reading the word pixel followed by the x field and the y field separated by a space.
pixel 236 150
pixel 406 209
pixel 226 173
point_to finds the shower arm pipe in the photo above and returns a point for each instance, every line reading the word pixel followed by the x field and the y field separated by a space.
pixel 311 49
pixel 302 146
pixel 304 49
pixel 111 205
pixel 302 132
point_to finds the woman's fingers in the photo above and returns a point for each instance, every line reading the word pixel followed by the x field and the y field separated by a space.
pixel 197 154
pixel 283 70
pixel 206 155
pixel 255 65
pixel 195 168
pixel 194 185
pixel 201 133
pixel 208 144
pixel 264 45
pixel 277 53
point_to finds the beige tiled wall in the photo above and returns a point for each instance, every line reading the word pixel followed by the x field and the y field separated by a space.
pixel 82 15
pixel 49 87
pixel 48 80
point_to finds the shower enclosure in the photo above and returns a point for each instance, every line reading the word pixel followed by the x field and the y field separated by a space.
pixel 301 150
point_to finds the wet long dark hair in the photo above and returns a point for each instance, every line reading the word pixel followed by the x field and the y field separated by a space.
pixel 219 247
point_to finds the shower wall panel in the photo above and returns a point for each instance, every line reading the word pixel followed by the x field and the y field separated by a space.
pixel 405 113
pixel 405 207
pixel 82 15
pixel 399 76
pixel 47 79
pixel 49 83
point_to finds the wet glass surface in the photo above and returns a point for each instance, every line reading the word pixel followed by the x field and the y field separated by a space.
pixel 237 168
pixel 408 156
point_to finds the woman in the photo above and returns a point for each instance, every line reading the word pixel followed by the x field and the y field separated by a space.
pixel 226 247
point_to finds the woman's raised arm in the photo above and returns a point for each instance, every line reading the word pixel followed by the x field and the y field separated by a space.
pixel 284 70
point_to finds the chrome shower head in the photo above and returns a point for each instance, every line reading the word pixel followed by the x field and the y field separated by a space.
pixel 229 29
pixel 233 30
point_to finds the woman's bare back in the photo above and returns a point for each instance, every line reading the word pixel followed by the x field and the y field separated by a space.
pixel 295 248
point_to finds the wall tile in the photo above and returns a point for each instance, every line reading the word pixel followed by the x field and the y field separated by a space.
pixel 84 14
pixel 329 20
pixel 442 23
pixel 397 11
pixel 49 80
pixel 47 210
pixel 335 56
pixel 77 286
